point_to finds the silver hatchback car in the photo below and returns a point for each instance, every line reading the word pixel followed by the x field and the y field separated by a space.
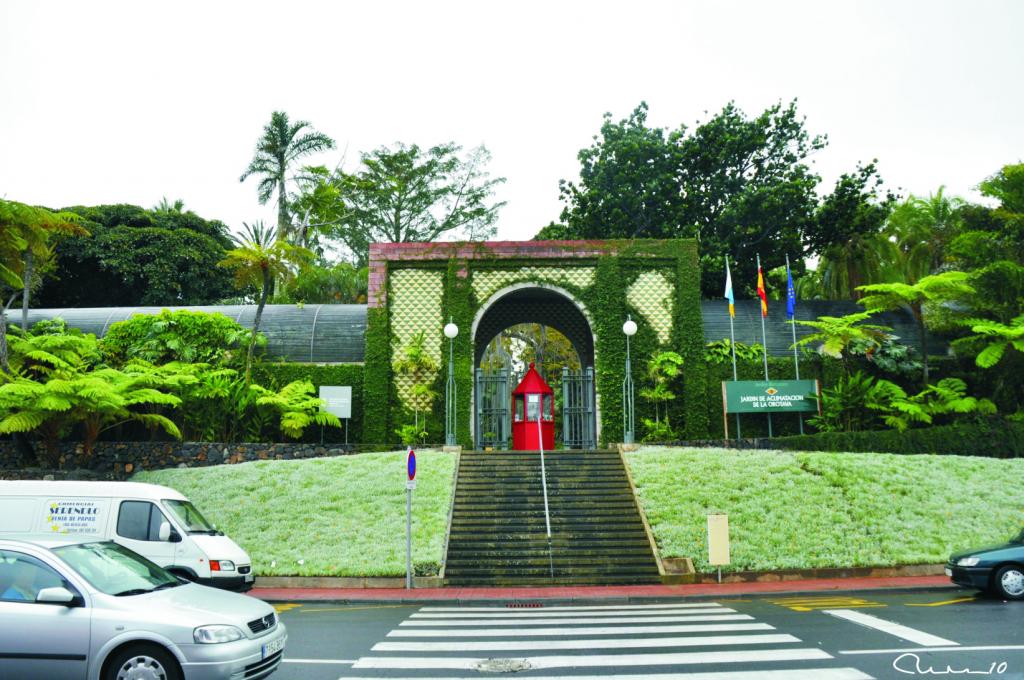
pixel 78 607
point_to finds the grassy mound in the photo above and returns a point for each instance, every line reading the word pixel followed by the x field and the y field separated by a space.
pixel 810 510
pixel 341 516
pixel 787 510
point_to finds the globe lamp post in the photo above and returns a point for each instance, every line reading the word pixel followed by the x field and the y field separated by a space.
pixel 450 331
pixel 628 397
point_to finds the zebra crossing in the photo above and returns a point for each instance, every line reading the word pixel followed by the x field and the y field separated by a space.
pixel 617 642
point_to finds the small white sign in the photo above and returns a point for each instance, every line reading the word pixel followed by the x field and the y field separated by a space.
pixel 410 485
pixel 337 400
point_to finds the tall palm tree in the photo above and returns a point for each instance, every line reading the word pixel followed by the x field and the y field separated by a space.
pixel 259 259
pixel 863 259
pixel 26 235
pixel 922 229
pixel 282 143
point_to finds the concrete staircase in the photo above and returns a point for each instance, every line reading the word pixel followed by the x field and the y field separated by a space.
pixel 497 534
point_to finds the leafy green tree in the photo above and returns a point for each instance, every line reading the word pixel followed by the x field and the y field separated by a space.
pixel 258 260
pixel 138 257
pixel 283 143
pixel 321 283
pixel 934 289
pixel 740 185
pixel 836 335
pixel 847 233
pixel 410 194
pixel 186 336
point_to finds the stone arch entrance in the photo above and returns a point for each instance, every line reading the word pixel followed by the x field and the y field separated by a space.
pixel 548 305
pixel 584 289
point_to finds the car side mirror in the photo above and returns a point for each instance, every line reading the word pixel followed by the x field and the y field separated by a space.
pixel 58 595
pixel 165 531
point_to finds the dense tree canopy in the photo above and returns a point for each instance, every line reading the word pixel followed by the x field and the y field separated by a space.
pixel 408 194
pixel 741 186
pixel 139 257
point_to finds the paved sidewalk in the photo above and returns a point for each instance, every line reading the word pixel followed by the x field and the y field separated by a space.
pixel 591 593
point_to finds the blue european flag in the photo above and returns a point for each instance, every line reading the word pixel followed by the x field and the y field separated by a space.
pixel 790 293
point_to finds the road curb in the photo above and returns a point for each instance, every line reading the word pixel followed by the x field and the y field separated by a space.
pixel 525 597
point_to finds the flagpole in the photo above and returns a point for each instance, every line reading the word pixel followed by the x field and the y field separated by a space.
pixel 791 308
pixel 764 333
pixel 732 335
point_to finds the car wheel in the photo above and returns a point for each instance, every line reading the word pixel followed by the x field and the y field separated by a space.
pixel 1009 582
pixel 142 662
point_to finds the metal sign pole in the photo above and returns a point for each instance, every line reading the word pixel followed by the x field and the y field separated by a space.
pixel 544 484
pixel 410 466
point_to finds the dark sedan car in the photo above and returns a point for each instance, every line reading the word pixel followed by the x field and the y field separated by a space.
pixel 998 568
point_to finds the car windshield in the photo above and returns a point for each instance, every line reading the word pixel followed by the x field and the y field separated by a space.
pixel 116 570
pixel 190 518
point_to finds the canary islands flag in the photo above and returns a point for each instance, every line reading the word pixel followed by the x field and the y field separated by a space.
pixel 760 292
pixel 728 290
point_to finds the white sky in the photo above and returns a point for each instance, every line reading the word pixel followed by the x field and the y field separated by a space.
pixel 104 102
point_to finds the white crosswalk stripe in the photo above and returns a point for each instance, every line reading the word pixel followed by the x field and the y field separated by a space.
pixel 537 614
pixel 612 638
pixel 582 631
pixel 575 620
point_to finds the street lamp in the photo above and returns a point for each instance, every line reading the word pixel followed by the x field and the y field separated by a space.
pixel 450 331
pixel 628 397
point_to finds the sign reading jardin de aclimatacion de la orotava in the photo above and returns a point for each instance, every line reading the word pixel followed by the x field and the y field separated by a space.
pixel 769 396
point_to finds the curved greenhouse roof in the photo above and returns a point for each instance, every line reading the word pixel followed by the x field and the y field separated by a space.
pixel 310 333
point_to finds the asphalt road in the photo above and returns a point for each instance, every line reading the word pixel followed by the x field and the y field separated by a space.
pixel 821 636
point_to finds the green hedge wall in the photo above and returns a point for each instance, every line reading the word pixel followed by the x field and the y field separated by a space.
pixel 995 438
pixel 279 375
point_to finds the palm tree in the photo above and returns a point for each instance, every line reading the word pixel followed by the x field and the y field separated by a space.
pixel 933 289
pixel 863 259
pixel 259 259
pixel 25 239
pixel 282 144
pixel 922 230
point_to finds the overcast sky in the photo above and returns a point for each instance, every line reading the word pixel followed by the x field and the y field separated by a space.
pixel 104 102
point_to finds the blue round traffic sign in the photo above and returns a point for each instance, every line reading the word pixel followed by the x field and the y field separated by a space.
pixel 411 461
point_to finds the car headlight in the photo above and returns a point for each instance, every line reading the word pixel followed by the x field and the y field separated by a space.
pixel 222 565
pixel 968 561
pixel 209 635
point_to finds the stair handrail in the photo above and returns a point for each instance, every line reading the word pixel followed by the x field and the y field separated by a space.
pixel 544 486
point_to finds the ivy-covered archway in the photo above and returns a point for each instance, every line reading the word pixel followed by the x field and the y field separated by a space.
pixel 584 287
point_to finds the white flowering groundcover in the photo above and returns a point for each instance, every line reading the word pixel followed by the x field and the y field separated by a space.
pixel 341 516
pixel 797 510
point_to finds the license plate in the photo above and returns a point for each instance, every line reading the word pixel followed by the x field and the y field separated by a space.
pixel 949 572
pixel 273 647
pixel 249 578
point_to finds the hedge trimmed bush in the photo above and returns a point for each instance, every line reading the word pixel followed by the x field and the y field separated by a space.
pixel 995 438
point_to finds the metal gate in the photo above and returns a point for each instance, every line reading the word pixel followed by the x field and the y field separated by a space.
pixel 493 410
pixel 578 423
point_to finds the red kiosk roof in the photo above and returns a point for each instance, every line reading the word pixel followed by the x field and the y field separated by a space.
pixel 532 383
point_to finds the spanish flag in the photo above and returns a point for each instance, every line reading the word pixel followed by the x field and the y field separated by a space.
pixel 760 291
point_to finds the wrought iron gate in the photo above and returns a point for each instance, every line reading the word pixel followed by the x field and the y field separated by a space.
pixel 578 422
pixel 493 410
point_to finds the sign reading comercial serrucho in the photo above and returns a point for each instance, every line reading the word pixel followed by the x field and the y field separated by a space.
pixel 770 396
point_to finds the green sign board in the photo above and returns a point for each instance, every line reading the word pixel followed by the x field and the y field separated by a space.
pixel 769 396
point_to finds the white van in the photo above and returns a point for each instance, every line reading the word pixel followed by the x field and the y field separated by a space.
pixel 154 521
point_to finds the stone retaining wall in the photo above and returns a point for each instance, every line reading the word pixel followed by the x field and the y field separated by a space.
pixel 119 460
